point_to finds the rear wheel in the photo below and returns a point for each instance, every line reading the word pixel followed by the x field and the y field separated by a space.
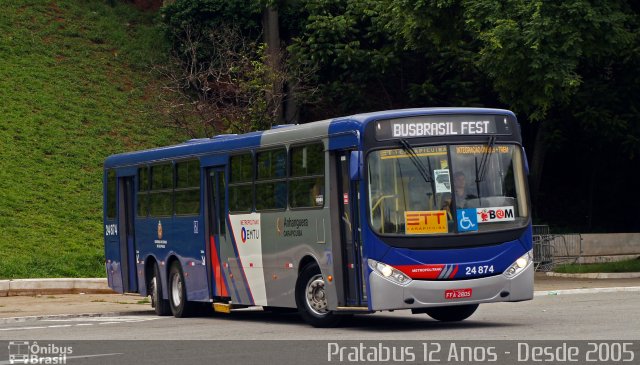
pixel 180 307
pixel 311 298
pixel 452 314
pixel 160 306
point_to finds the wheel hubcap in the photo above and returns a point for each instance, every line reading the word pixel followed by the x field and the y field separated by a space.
pixel 316 297
pixel 176 290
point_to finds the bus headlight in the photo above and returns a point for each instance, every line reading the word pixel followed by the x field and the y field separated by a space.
pixel 389 272
pixel 519 265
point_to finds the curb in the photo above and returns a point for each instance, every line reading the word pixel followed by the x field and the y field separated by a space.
pixel 54 286
pixel 597 275
pixel 587 291
pixel 69 316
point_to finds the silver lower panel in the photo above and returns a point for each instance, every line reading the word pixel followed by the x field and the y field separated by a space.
pixel 386 295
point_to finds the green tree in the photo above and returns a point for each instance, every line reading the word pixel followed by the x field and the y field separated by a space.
pixel 538 54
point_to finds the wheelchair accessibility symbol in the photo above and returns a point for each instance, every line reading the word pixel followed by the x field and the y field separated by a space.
pixel 467 220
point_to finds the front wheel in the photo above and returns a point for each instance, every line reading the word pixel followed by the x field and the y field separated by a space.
pixel 180 307
pixel 452 314
pixel 311 298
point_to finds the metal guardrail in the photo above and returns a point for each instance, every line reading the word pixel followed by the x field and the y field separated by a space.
pixel 550 250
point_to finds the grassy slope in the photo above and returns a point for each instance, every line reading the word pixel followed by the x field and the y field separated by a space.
pixel 74 88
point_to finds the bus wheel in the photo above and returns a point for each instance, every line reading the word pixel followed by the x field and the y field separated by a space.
pixel 161 306
pixel 452 314
pixel 311 298
pixel 178 292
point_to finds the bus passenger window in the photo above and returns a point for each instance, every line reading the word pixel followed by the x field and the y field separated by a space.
pixel 271 186
pixel 306 183
pixel 241 183
pixel 187 192
pixel 143 192
pixel 161 193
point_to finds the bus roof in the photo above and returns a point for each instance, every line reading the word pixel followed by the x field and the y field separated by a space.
pixel 232 142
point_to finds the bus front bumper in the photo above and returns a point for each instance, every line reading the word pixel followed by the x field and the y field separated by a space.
pixel 386 295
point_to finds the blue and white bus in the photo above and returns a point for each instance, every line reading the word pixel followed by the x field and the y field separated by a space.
pixel 420 209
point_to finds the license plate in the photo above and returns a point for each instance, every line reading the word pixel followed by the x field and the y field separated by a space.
pixel 458 293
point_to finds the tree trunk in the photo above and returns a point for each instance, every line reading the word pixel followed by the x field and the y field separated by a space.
pixel 271 30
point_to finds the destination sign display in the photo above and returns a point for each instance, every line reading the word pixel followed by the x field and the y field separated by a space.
pixel 442 125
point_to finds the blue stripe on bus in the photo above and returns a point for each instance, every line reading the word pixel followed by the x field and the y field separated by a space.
pixel 224 144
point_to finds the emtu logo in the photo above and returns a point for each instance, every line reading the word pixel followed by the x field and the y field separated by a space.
pixel 249 234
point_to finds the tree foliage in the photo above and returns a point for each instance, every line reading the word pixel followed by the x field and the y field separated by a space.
pixel 569 69
pixel 543 44
pixel 230 90
pixel 202 16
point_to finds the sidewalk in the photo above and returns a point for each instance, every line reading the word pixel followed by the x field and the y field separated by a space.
pixel 103 304
pixel 542 282
pixel 72 304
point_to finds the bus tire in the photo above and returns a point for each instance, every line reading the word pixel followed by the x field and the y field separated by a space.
pixel 180 307
pixel 311 298
pixel 452 314
pixel 159 305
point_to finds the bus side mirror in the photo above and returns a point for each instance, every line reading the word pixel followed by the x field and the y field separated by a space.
pixel 355 165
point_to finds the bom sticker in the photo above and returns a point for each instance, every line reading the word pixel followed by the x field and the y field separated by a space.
pixel 495 214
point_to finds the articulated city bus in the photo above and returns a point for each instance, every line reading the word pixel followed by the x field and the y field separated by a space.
pixel 421 209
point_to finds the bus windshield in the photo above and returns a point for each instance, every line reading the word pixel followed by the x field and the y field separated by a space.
pixel 446 189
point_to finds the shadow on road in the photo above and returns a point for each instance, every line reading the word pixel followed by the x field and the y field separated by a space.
pixel 364 322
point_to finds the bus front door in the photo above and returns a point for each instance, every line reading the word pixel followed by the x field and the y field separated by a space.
pixel 355 293
pixel 128 259
pixel 216 228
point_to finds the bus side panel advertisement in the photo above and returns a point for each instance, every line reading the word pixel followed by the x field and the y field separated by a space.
pixel 247 233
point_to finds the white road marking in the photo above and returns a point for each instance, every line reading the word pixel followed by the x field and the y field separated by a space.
pixel 22 328
pixel 103 319
pixel 95 320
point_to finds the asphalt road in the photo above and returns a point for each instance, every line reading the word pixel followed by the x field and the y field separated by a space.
pixel 599 316
pixel 502 333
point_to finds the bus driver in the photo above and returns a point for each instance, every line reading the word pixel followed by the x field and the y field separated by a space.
pixel 460 191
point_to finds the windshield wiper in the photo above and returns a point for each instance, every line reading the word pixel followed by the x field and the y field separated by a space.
pixel 413 156
pixel 481 170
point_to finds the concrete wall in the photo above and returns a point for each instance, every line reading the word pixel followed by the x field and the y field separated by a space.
pixel 597 247
pixel 611 244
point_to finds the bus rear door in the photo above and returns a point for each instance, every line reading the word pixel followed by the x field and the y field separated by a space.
pixel 216 228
